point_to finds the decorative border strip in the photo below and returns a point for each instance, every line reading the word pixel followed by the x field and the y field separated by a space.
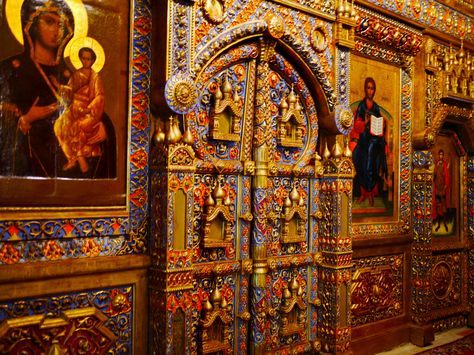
pixel 432 14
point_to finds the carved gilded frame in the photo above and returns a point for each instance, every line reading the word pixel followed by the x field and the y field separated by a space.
pixel 99 218
pixel 391 46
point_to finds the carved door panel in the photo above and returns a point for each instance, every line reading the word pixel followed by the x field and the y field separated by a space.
pixel 255 198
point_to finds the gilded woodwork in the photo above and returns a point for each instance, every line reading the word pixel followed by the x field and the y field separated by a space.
pixel 383 31
pixel 218 219
pixel 180 94
pixel 75 331
pixel 453 70
pixel 290 122
pixel 377 289
pixel 292 309
pixel 214 10
pixel 446 280
pixel 226 116
pixel 344 34
pixel 293 219
pixel 215 323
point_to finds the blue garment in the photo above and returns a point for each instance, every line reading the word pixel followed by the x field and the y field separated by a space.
pixel 369 154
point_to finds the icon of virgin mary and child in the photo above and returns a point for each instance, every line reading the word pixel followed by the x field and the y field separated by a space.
pixel 52 120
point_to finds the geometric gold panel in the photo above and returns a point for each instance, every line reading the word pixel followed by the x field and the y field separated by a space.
pixel 377 289
pixel 76 331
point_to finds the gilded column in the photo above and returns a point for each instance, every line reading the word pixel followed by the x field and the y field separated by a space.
pixel 422 331
pixel 470 229
pixel 335 243
pixel 171 276
pixel 259 309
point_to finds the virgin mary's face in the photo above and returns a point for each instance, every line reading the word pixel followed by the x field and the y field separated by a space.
pixel 49 30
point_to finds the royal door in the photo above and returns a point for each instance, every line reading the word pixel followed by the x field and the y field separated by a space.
pixel 247 199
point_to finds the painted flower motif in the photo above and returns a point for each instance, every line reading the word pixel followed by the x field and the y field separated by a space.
pixel 90 247
pixel 140 120
pixel 274 79
pixel 173 303
pixel 52 250
pixel 210 149
pixel 240 72
pixel 141 63
pixel 119 303
pixel 200 194
pixel 274 109
pixel 187 183
pixel 9 254
pixel 234 152
pixel 203 118
pixel 279 195
pixel 138 197
pixel 140 101
pixel 139 159
pixel 174 183
pixel 186 301
pixel 213 87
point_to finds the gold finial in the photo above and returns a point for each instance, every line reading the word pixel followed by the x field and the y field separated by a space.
pixel 326 153
pixel 216 296
pixel 294 195
pixel 347 149
pixel 159 136
pixel 174 133
pixel 188 137
pixel 226 87
pixel 219 192
pixel 337 152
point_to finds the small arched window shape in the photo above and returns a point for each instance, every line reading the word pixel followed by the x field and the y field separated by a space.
pixel 218 219
pixel 293 219
pixel 292 309
pixel 226 115
pixel 215 324
pixel 290 122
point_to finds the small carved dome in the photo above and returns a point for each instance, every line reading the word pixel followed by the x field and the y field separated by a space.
pixel 287 202
pixel 283 104
pixel 294 195
pixel 216 297
pixel 294 285
pixel 286 293
pixel 224 303
pixel 207 305
pixel 226 87
pixel 210 201
pixel 218 94
pixel 218 192
pixel 292 97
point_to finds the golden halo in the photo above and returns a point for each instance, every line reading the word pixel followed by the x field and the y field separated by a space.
pixel 13 15
pixel 72 52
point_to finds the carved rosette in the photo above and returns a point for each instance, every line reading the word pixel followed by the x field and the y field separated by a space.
pixel 214 10
pixel 276 26
pixel 180 94
pixel 446 281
